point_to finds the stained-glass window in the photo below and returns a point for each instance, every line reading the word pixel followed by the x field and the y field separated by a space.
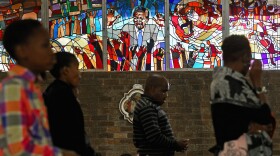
pixel 12 10
pixel 259 21
pixel 136 35
pixel 136 31
pixel 195 33
pixel 76 26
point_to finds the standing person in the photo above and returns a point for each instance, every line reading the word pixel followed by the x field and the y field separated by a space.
pixel 213 55
pixel 55 31
pixel 84 23
pixel 65 114
pixel 152 133
pixel 61 24
pixel 24 128
pixel 77 25
pixel 142 37
pixel 237 107
pixel 68 25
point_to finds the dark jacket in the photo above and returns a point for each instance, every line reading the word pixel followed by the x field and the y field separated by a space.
pixel 66 118
pixel 231 121
pixel 152 133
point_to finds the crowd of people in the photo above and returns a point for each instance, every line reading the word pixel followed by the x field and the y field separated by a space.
pixel 52 123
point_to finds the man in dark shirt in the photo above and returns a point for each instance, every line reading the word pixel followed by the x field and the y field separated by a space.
pixel 152 133
pixel 237 105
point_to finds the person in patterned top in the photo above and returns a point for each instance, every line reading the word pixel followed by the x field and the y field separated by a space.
pixel 24 128
pixel 239 108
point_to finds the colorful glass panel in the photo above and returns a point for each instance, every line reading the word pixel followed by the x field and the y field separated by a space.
pixel 13 10
pixel 135 35
pixel 258 20
pixel 76 27
pixel 195 33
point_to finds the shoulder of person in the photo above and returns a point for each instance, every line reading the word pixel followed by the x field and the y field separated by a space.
pixel 152 27
pixel 218 81
pixel 59 88
pixel 149 104
pixel 125 27
pixel 17 81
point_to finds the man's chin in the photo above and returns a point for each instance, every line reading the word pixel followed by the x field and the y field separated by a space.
pixel 49 67
pixel 162 102
pixel 140 27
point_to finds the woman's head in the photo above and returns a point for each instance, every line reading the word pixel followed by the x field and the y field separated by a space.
pixel 237 53
pixel 28 43
pixel 66 68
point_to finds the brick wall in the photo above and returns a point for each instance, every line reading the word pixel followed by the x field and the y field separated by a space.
pixel 187 107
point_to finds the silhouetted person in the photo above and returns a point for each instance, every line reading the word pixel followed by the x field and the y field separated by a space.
pixel 65 114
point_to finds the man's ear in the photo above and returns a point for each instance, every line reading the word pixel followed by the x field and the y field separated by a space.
pixel 20 52
pixel 64 71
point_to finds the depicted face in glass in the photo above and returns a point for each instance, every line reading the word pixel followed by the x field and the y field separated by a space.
pixel 140 19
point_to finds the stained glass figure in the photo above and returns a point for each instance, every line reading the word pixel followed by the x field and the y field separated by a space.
pixel 13 10
pixel 195 33
pixel 136 35
pixel 259 21
pixel 75 27
pixel 136 31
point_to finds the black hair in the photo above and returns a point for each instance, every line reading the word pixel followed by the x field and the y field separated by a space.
pixel 141 9
pixel 126 154
pixel 234 47
pixel 18 33
pixel 63 59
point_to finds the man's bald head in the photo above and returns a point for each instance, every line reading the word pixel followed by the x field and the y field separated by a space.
pixel 155 81
pixel 156 87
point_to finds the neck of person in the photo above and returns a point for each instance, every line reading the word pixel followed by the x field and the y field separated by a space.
pixel 63 79
pixel 234 66
pixel 147 94
pixel 137 29
pixel 25 65
pixel 151 98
